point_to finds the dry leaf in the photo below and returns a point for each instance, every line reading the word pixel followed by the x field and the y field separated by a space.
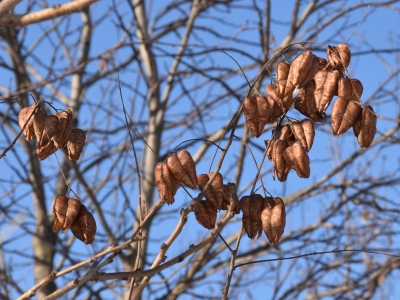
pixel 84 226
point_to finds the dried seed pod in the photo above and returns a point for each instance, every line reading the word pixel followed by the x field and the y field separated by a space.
pixel 257 114
pixel 350 88
pixel 282 73
pixel 84 226
pixel 304 132
pixel 23 117
pixel 283 133
pixel 65 212
pixel 180 171
pixel 251 114
pixel 189 166
pixel 365 129
pixel 215 194
pixel 309 132
pixel 326 85
pixel 306 104
pixel 296 158
pixel 281 168
pixel 263 113
pixel 275 110
pixel 227 200
pixel 64 128
pixel 218 189
pixel 273 219
pixel 284 100
pixel 205 213
pixel 167 183
pixel 251 207
pixel 322 63
pixel 75 143
pixel 338 57
pixel 303 69
pixel 345 113
pixel 45 127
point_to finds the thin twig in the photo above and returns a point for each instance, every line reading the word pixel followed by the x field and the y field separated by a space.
pixel 139 184
pixel 315 253
pixel 362 19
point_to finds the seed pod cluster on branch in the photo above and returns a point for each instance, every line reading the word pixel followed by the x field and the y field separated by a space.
pixel 318 80
pixel 217 198
pixel 288 149
pixel 52 132
pixel 266 214
pixel 71 214
pixel 169 175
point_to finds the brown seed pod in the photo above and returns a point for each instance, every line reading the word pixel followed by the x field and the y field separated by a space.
pixel 257 114
pixel 251 207
pixel 281 168
pixel 189 166
pixel 75 143
pixel 297 159
pixel 182 167
pixel 84 226
pixel 205 213
pixel 23 117
pixel 227 200
pixel 251 114
pixel 349 88
pixel 283 100
pixel 273 219
pixel 263 113
pixel 284 87
pixel 167 183
pixel 275 110
pixel 345 113
pixel 304 132
pixel 322 63
pixel 65 212
pixel 283 133
pixel 326 85
pixel 365 128
pixel 303 69
pixel 215 194
pixel 305 103
pixel 338 57
pixel 64 128
pixel 309 132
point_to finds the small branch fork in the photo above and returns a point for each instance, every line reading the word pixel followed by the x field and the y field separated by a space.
pixel 22 130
